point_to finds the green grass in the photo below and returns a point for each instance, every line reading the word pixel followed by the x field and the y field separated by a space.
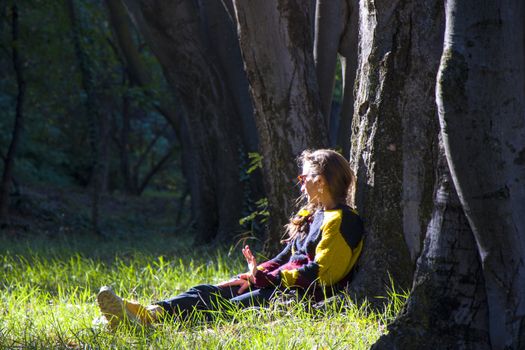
pixel 48 288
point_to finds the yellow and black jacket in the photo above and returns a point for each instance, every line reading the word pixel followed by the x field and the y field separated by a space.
pixel 325 255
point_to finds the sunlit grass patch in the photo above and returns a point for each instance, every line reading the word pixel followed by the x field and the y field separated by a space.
pixel 47 300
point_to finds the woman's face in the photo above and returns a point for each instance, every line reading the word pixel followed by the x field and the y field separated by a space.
pixel 309 183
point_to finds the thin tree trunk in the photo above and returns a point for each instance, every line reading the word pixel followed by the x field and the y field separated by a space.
pixel 349 67
pixel 155 169
pixel 92 113
pixel 119 22
pixel 9 160
pixel 276 44
pixel 105 150
pixel 124 146
pixel 394 143
pixel 140 162
pixel 222 38
pixel 336 31
pixel 348 49
pixel 139 76
pixel 330 22
pixel 135 66
pixel 480 93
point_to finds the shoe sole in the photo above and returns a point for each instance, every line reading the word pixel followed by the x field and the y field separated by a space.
pixel 112 307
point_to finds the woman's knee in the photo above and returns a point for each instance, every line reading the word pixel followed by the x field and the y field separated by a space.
pixel 203 289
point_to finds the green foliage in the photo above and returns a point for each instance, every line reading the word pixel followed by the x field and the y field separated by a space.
pixel 55 144
pixel 255 162
pixel 257 213
pixel 47 300
pixel 261 213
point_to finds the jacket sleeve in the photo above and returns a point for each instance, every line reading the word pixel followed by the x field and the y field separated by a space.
pixel 276 262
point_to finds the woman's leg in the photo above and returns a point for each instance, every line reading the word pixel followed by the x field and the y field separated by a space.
pixel 199 298
pixel 254 298
pixel 202 297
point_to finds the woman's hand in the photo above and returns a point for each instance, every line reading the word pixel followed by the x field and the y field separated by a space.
pixel 244 280
pixel 244 276
pixel 236 282
pixel 243 284
pixel 252 262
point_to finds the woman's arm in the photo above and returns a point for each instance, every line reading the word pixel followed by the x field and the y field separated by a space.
pixel 279 260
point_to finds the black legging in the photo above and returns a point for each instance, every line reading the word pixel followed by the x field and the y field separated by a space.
pixel 207 297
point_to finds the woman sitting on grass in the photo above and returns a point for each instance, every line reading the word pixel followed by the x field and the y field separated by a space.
pixel 324 242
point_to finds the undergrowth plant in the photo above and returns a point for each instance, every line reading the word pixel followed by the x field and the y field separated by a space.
pixel 48 289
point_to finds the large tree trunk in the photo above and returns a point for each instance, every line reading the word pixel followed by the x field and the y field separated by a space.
pixel 447 306
pixel 9 160
pixel 175 33
pixel 481 95
pixel 469 285
pixel 276 44
pixel 395 133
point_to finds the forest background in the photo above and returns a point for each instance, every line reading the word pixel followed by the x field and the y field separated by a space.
pixel 200 108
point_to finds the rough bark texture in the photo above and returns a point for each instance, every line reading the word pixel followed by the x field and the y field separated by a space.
pixel 9 160
pixel 176 35
pixel 394 135
pixel 447 306
pixel 480 94
pixel 276 44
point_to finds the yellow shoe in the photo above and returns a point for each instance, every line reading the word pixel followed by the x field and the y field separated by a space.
pixel 146 315
pixel 116 309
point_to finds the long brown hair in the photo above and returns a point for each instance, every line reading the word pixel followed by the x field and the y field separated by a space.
pixel 340 180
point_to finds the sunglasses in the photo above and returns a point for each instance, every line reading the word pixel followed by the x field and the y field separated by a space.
pixel 302 177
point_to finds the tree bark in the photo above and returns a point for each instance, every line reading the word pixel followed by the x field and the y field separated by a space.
pixel 480 93
pixel 9 160
pixel 447 307
pixel 276 44
pixel 395 136
pixel 175 33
